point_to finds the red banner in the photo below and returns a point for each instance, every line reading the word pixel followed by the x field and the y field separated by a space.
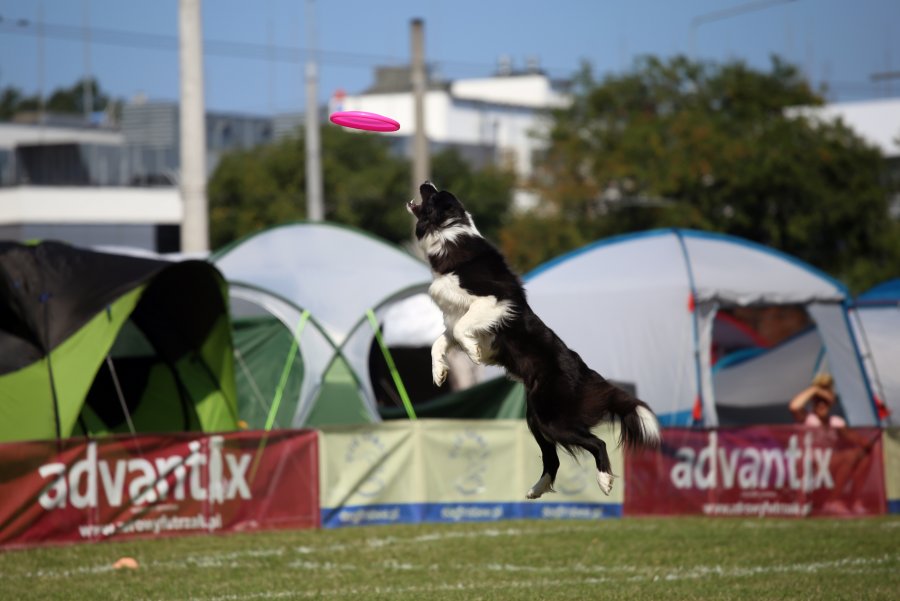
pixel 756 471
pixel 186 483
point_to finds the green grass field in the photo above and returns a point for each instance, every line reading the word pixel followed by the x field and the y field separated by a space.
pixel 635 558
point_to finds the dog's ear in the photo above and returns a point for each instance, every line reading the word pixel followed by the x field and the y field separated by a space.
pixel 427 190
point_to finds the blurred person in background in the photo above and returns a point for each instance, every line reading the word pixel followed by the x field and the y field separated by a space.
pixel 820 395
pixel 850 462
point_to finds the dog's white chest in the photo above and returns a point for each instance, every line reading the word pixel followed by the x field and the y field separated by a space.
pixel 450 297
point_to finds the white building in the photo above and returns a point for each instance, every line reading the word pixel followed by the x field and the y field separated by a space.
pixel 493 119
pixel 875 121
pixel 146 218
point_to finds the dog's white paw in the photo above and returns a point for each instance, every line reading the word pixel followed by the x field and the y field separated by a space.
pixel 472 350
pixel 439 373
pixel 545 484
pixel 605 481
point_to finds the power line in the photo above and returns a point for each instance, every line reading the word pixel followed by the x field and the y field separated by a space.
pixel 736 10
pixel 224 48
pixel 727 13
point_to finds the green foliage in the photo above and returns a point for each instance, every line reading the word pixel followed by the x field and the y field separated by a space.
pixel 706 146
pixel 62 100
pixel 253 189
pixel 486 193
pixel 365 185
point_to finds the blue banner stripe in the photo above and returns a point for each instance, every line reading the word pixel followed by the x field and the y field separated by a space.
pixel 413 513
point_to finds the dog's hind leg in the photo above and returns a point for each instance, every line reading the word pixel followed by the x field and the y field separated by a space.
pixel 597 448
pixel 549 457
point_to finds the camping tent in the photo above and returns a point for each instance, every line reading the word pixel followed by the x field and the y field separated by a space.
pixel 321 286
pixel 94 343
pixel 648 310
pixel 756 386
pixel 640 308
pixel 877 327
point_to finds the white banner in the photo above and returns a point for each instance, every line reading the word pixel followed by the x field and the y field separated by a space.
pixel 451 471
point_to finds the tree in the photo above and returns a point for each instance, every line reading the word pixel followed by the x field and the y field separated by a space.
pixel 71 100
pixel 486 193
pixel 716 147
pixel 365 183
pixel 62 100
pixel 12 101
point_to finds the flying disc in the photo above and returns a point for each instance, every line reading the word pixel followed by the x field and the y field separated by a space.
pixel 364 120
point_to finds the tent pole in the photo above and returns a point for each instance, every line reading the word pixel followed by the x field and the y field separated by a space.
pixel 700 400
pixel 115 379
pixel 286 370
pixel 254 387
pixel 279 392
pixel 398 382
pixel 45 298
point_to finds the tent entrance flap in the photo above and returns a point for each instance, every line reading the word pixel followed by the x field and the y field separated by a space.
pixel 845 362
pixel 262 349
pixel 339 400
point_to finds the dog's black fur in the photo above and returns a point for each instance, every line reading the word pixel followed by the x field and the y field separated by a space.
pixel 565 398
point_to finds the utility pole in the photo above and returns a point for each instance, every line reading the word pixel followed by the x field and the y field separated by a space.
pixel 315 203
pixel 87 92
pixel 421 161
pixel 195 221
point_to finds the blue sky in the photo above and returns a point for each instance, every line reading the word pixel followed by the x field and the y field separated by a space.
pixel 250 66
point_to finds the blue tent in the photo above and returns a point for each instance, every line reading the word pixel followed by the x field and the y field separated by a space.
pixel 640 308
pixel 877 328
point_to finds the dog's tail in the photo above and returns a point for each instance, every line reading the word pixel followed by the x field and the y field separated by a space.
pixel 640 428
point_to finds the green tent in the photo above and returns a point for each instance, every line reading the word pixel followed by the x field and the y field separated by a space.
pixel 498 398
pixel 283 356
pixel 329 286
pixel 94 343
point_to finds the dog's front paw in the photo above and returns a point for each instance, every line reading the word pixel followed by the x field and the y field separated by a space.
pixel 605 481
pixel 472 350
pixel 439 373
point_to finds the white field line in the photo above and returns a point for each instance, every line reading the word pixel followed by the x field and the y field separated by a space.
pixel 857 565
pixel 437 537
pixel 235 558
pixel 232 558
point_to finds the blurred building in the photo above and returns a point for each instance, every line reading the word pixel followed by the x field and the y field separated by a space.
pixel 56 152
pixel 151 132
pixel 875 121
pixel 490 120
pixel 61 179
pixel 92 185
pixel 145 218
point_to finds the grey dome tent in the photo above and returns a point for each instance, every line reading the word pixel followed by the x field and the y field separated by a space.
pixel 324 285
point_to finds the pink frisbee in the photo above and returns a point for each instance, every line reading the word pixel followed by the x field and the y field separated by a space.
pixel 364 120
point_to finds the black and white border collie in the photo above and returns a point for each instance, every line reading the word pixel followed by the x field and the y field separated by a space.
pixel 486 314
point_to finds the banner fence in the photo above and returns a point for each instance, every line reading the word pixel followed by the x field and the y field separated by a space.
pixel 126 487
pixel 765 470
pixel 453 471
pixel 130 487
pixel 892 468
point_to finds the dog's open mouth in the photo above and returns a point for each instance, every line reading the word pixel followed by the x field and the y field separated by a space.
pixel 413 208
